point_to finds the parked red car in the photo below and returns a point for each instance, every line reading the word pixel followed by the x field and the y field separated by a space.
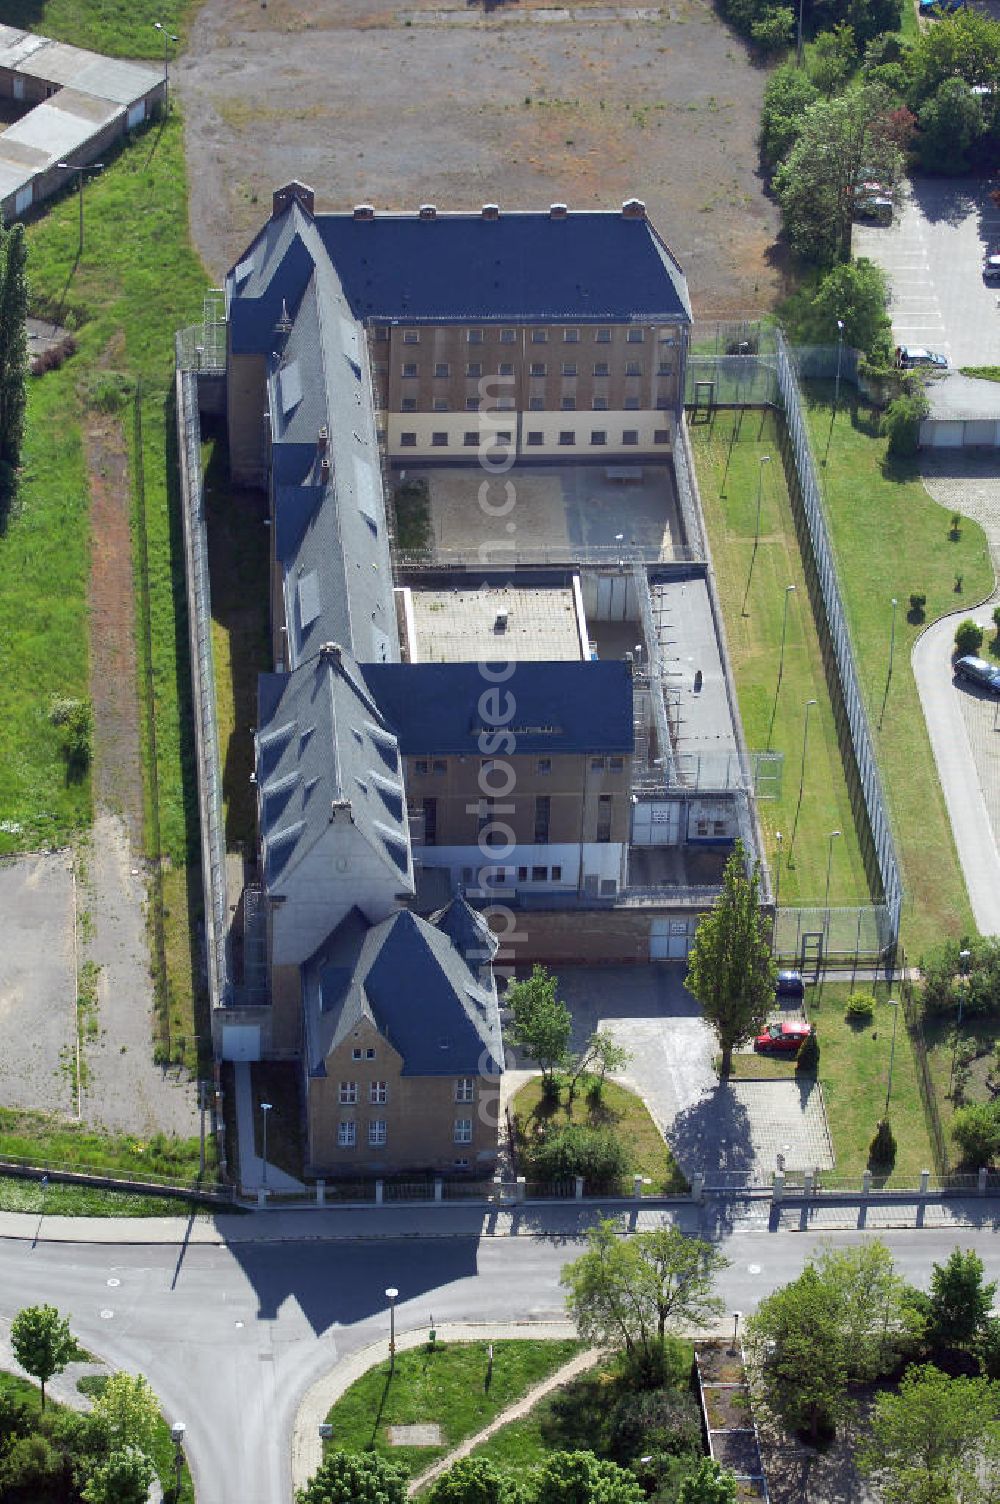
pixel 783 1037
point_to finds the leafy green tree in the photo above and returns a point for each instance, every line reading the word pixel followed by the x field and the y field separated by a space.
pixel 542 1023
pixel 968 636
pixel 123 1477
pixel 965 46
pixel 42 1343
pixel 976 1130
pixel 856 292
pixel 582 1478
pixel 787 95
pixel 659 1421
pixel 355 1478
pixel 708 1484
pixel 834 58
pixel 960 1301
pixel 627 1292
pixel 731 971
pixel 128 1412
pixel 13 341
pixel 816 185
pixel 901 423
pixel 475 1480
pixel 950 122
pixel 773 27
pixel 935 1441
pixel 600 1055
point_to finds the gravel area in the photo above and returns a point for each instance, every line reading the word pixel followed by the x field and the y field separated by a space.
pixel 459 105
pixel 37 982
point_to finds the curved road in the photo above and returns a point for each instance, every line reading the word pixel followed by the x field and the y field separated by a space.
pixel 956 765
pixel 231 1337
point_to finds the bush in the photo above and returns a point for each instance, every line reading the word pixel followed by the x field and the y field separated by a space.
pixel 76 720
pixel 968 636
pixel 860 1007
pixel 772 30
pixel 33 1468
pixel 901 424
pixel 788 94
pixel 52 358
pixel 976 1131
pixel 882 1153
pixel 807 1060
pixel 663 1421
pixel 595 1153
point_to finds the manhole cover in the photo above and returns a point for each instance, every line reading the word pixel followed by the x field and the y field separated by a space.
pixel 753 1268
pixel 107 1315
pixel 113 1283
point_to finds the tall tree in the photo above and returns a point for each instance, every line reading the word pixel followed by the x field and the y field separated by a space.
pixel 354 1478
pixel 582 1478
pixel 708 1484
pixel 627 1292
pixel 960 1301
pixel 13 342
pixel 476 1480
pixel 42 1342
pixel 122 1477
pixel 128 1413
pixel 843 141
pixel 936 1440
pixel 731 971
pixel 542 1023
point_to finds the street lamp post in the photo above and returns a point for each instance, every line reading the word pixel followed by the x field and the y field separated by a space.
pixel 840 351
pixel 168 37
pixel 765 459
pixel 391 1295
pixel 964 956
pixel 265 1108
pixel 177 1437
pixel 802 777
pixel 892 636
pixel 736 1328
pixel 784 628
pixel 894 1004
pixel 620 539
pixel 777 864
pixel 80 168
pixel 829 863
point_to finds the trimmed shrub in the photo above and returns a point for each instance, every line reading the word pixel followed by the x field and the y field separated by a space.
pixel 860 1007
pixel 594 1153
pixel 976 1131
pixel 882 1153
pixel 664 1421
pixel 901 424
pixel 968 636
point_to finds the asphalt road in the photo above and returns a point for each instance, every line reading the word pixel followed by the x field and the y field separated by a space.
pixel 231 1337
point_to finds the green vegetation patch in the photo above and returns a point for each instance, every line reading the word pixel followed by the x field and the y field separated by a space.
pixel 61 1200
pixel 891 539
pixel 122 28
pixel 39 1137
pixel 447 1386
pixel 619 1110
pixel 985 373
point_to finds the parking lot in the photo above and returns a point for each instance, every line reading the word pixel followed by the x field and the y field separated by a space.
pixel 933 253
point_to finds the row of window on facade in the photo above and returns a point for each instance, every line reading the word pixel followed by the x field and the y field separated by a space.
pixel 543 765
pixel 536 405
pixel 535 438
pixel 378 1133
pixel 494 832
pixel 474 369
pixel 539 336
pixel 378 1091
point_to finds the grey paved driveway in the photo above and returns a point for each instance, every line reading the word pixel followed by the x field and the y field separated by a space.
pixel 709 1127
pixel 37 983
pixel 933 253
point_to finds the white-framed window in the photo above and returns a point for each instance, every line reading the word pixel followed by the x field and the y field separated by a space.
pixel 357 1053
pixel 442 368
pixel 630 436
pixel 463 1131
pixel 538 368
pixel 348 1093
pixel 602 336
pixel 474 369
pixel 409 368
pixel 475 336
pixel 539 336
pixel 635 336
pixel 442 405
pixel 465 1089
pixel 376 1131
pixel 461 1164
pixel 508 336
pixel 600 404
pixel 568 404
pixel 569 367
pixel 598 436
pixel 347 1134
pixel 411 337
pixel 571 336
pixel 370 1052
pixel 633 368
pixel 601 368
pixel 505 368
pixel 408 441
pixel 378 1092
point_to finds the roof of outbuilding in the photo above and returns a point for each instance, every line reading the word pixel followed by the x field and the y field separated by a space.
pixel 439 708
pixel 322 749
pixel 409 977
pixel 521 267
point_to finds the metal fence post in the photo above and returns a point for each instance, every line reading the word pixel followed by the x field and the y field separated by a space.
pixel 321 1193
pixel 438 1188
pixel 697 1186
pixel 522 1187
pixel 807 1183
pixel 777 1187
pixel 637 1187
pixel 379 1192
pixel 981 1185
pixel 578 1187
pixel 262 1195
pixel 866 1184
pixel 925 1180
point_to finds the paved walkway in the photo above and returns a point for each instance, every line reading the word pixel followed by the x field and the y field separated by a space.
pixel 307 1449
pixel 562 1375
pixel 252 1168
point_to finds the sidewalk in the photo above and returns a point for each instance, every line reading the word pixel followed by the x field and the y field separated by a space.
pixel 252 1175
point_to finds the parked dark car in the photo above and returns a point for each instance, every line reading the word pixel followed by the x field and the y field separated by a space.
pixel 790 984
pixel 978 671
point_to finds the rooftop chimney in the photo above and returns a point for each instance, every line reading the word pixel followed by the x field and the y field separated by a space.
pixel 558 211
pixel 491 211
pixel 500 625
pixel 322 438
pixel 293 192
pixel 428 211
pixel 364 211
pixel 330 652
pixel 633 208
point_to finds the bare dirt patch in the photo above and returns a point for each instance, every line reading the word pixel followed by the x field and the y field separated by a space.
pixel 451 105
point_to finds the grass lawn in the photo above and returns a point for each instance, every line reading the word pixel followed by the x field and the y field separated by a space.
pixel 728 474
pixel 444 1387
pixel 985 373
pixel 854 1069
pixel 123 28
pixel 36 1136
pixel 891 539
pixel 940 1036
pixel 60 1200
pixel 621 1110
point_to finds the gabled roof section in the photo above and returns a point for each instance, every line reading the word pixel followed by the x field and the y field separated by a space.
pixel 583 267
pixel 408 977
pixel 438 708
pixel 323 753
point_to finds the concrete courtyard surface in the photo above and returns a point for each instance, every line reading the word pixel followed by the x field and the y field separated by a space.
pixel 461 105
pixel 37 983
pixel 558 510
pixel 714 1129
pixel 933 253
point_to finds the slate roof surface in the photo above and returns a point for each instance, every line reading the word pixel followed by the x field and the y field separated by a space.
pixel 522 267
pixel 408 977
pixel 561 707
pixel 322 742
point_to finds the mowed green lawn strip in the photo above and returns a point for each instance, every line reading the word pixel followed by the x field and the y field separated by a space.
pixel 728 476
pixel 122 28
pixel 892 539
pixel 854 1071
pixel 35 1136
pixel 445 1386
pixel 58 1199
pixel 620 1110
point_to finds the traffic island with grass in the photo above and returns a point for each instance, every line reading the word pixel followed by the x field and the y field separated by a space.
pixel 605 1135
pixel 449 1390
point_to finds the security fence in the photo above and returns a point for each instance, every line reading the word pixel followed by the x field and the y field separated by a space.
pixel 202 347
pixel 812 937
